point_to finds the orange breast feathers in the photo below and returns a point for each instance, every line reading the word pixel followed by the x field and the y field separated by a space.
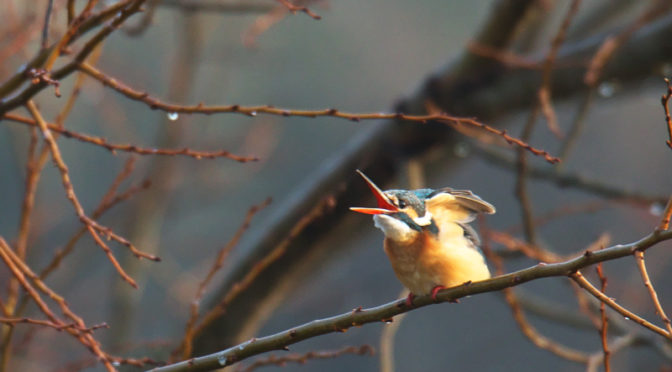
pixel 426 263
pixel 447 259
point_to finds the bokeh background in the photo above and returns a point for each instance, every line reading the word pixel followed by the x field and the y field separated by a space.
pixel 360 57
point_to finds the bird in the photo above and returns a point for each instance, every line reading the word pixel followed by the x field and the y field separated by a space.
pixel 427 237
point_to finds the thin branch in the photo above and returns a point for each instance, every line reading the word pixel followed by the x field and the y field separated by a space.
pixel 237 6
pixel 537 338
pixel 639 257
pixel 113 147
pixel 119 10
pixel 516 245
pixel 146 20
pixel 46 323
pixel 573 180
pixel 19 78
pixel 359 317
pixel 612 43
pixel 103 207
pixel 188 339
pixel 577 127
pixel 544 93
pixel 387 338
pixel 544 106
pixel 563 211
pixel 585 284
pixel 522 170
pixel 296 8
pixel 528 330
pixel 303 358
pixel 109 200
pixel 200 108
pixel 262 23
pixel 603 320
pixel 505 57
pixel 239 287
pixel 45 28
pixel 20 270
pixel 93 227
pixel 667 214
pixel 618 344
pixel 71 11
pixel 668 120
pixel 71 32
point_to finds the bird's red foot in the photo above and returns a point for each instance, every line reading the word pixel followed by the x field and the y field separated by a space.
pixel 435 291
pixel 409 299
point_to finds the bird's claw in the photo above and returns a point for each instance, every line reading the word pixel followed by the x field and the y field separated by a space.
pixel 435 292
pixel 409 300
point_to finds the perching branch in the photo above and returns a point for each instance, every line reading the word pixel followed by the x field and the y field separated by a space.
pixel 386 312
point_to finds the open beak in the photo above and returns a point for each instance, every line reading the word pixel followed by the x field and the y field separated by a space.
pixel 384 203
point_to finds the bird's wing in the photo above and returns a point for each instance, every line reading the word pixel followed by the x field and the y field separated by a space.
pixel 472 201
pixel 448 205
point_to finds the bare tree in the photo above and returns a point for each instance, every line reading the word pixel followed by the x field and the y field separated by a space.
pixel 69 70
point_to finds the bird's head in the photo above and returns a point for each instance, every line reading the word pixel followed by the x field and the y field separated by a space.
pixel 401 214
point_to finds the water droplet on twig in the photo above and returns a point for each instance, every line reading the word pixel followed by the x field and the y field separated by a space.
pixel 461 150
pixel 606 89
pixel 656 209
pixel 172 116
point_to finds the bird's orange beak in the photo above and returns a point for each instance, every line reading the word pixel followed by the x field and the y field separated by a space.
pixel 384 203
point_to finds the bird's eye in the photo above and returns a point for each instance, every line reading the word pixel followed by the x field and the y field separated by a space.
pixel 401 203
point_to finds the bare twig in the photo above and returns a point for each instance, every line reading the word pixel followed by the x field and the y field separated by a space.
pixel 387 311
pixel 609 47
pixel 537 338
pixel 639 257
pixel 544 106
pixel 240 286
pixel 618 344
pixel 113 147
pixel 544 93
pixel 120 11
pixel 528 330
pixel 265 21
pixel 236 6
pixel 667 214
pixel 573 180
pixel 668 120
pixel 517 245
pixel 200 108
pixel 603 319
pixel 387 337
pixel 563 211
pixel 296 8
pixel 503 56
pixel 576 128
pixel 93 227
pixel 522 170
pixel 46 323
pixel 303 358
pixel 21 271
pixel 585 284
pixel 45 28
pixel 104 205
pixel 187 341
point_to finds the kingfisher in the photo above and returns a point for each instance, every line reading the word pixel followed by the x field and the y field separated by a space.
pixel 427 237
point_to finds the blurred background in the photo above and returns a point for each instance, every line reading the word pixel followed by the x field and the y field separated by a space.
pixel 360 57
